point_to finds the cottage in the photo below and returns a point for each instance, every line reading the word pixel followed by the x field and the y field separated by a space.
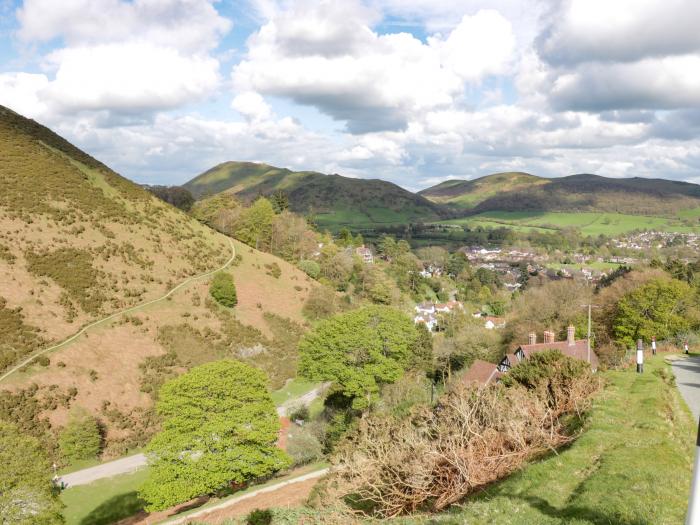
pixel 576 348
pixel 365 254
pixel 481 373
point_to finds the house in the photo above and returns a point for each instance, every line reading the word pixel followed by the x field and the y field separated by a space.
pixel 509 361
pixel 430 321
pixel 491 322
pixel 428 312
pixel 576 348
pixel 481 373
pixel 425 308
pixel 365 254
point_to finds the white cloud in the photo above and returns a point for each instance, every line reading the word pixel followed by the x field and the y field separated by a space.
pixel 326 58
pixel 187 25
pixel 20 92
pixel 252 105
pixel 620 30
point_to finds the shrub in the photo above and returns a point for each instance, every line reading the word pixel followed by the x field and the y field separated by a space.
pixel 473 437
pixel 320 304
pixel 80 438
pixel 42 360
pixel 274 270
pixel 259 517
pixel 310 268
pixel 223 289
pixel 303 446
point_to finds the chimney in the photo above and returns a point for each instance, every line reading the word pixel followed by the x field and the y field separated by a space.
pixel 548 336
pixel 531 338
pixel 571 335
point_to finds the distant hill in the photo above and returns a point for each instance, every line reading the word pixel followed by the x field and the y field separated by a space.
pixel 333 200
pixel 582 192
pixel 78 242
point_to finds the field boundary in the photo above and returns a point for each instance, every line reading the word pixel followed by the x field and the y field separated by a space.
pixel 117 314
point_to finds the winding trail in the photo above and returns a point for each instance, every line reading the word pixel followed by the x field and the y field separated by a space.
pixel 117 314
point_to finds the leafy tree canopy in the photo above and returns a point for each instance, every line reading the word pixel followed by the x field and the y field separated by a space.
pixel 219 427
pixel 660 308
pixel 26 494
pixel 81 438
pixel 360 350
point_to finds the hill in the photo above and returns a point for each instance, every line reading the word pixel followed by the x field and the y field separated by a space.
pixel 79 243
pixel 333 200
pixel 466 194
pixel 521 192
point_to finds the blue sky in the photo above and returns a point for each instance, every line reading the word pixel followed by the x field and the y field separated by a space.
pixel 411 91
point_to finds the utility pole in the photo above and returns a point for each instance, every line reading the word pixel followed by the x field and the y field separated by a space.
pixel 588 337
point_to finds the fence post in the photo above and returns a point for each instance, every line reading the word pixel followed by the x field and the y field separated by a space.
pixel 640 356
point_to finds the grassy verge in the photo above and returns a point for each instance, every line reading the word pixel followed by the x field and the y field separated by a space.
pixel 632 466
pixel 294 388
pixel 104 501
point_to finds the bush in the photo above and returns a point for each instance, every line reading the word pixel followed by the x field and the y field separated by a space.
pixel 320 304
pixel 42 360
pixel 473 437
pixel 80 438
pixel 303 446
pixel 310 268
pixel 274 270
pixel 259 517
pixel 223 289
pixel 300 413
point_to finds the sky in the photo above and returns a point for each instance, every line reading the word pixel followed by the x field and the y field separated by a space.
pixel 411 91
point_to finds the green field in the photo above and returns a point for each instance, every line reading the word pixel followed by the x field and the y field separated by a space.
pixel 632 465
pixel 589 223
pixel 104 501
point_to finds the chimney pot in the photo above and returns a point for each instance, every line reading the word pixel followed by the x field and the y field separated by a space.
pixel 532 338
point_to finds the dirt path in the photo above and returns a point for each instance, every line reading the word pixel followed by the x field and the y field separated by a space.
pixel 305 400
pixel 117 314
pixel 289 492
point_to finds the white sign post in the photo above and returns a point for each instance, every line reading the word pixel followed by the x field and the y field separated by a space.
pixel 640 356
pixel 653 346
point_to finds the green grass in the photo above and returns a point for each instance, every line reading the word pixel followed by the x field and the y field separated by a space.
pixel 589 223
pixel 104 501
pixel 632 465
pixel 294 388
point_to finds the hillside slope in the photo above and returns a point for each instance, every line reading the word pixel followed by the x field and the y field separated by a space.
pixel 78 242
pixel 466 194
pixel 574 193
pixel 332 199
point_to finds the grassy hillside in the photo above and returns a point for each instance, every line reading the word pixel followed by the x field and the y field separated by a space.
pixel 466 194
pixel 521 192
pixel 78 242
pixel 333 200
pixel 589 223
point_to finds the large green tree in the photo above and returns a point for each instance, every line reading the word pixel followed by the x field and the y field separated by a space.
pixel 360 350
pixel 26 494
pixel 255 227
pixel 220 426
pixel 80 438
pixel 661 308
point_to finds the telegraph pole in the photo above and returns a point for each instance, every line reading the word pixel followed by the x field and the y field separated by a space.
pixel 588 338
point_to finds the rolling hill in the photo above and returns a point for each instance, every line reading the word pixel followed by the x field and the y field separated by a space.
pixel 522 192
pixel 333 200
pixel 81 244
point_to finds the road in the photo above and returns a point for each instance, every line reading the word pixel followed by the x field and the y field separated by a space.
pixel 117 314
pixel 105 470
pixel 687 372
pixel 132 463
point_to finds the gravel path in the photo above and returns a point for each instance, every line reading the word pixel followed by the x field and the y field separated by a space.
pixel 106 470
pixel 687 372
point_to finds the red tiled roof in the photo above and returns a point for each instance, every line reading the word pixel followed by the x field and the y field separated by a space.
pixel 579 350
pixel 481 372
pixel 512 359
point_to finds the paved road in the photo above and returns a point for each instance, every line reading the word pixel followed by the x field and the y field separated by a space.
pixel 117 314
pixel 687 372
pixel 105 470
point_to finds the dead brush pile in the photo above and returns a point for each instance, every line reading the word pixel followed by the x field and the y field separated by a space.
pixel 472 437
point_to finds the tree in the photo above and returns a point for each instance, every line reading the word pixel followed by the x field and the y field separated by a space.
pixel 659 308
pixel 280 201
pixel 81 438
pixel 255 226
pixel 321 303
pixel 26 494
pixel 223 289
pixel 359 351
pixel 220 427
